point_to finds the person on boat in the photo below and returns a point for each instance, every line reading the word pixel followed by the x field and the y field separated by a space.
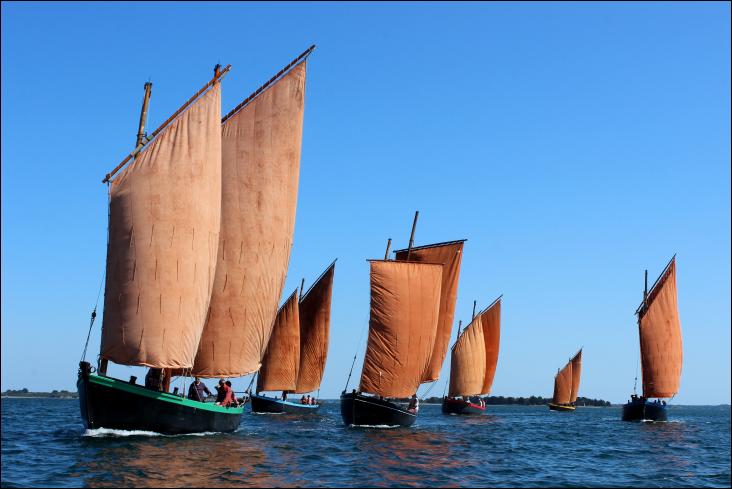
pixel 154 379
pixel 220 392
pixel 307 400
pixel 302 399
pixel 413 404
pixel 284 395
pixel 197 389
pixel 232 399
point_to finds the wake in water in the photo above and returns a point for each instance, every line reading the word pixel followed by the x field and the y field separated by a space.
pixel 106 432
pixel 377 426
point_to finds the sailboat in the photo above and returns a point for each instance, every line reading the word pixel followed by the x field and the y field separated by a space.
pixel 661 351
pixel 473 362
pixel 412 308
pixel 566 385
pixel 297 350
pixel 201 219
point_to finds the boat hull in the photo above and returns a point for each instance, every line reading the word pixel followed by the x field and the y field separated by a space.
pixel 115 404
pixel 459 406
pixel 561 407
pixel 360 410
pixel 264 404
pixel 642 410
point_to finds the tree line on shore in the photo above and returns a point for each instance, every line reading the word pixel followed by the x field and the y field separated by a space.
pixel 526 401
pixel 63 394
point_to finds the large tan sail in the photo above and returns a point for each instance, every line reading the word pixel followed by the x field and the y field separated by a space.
pixel 282 359
pixel 563 385
pixel 475 354
pixel 405 305
pixel 491 321
pixel 261 168
pixel 467 363
pixel 660 338
pixel 576 373
pixel 165 209
pixel 450 255
pixel 314 332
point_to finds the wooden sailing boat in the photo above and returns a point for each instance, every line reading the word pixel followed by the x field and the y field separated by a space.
pixel 661 351
pixel 412 302
pixel 473 362
pixel 200 230
pixel 297 350
pixel 566 385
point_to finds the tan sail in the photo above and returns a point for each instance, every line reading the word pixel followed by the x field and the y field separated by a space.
pixel 261 167
pixel 165 209
pixel 450 256
pixel 576 372
pixel 467 364
pixel 660 338
pixel 314 332
pixel 282 359
pixel 405 305
pixel 563 385
pixel 475 354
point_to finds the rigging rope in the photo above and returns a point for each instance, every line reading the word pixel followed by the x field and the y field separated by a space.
pixel 358 346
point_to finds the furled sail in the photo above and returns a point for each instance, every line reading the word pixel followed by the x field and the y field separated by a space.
pixel 261 167
pixel 660 337
pixel 314 331
pixel 450 256
pixel 164 216
pixel 475 354
pixel 563 385
pixel 405 305
pixel 576 372
pixel 282 358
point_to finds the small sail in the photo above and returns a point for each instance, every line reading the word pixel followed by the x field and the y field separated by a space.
pixel 576 372
pixel 475 354
pixel 405 307
pixel 660 338
pixel 450 256
pixel 314 332
pixel 467 364
pixel 563 385
pixel 282 358
pixel 164 215
pixel 261 168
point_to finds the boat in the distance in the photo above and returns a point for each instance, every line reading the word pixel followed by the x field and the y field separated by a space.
pixel 201 217
pixel 473 362
pixel 661 349
pixel 566 385
pixel 297 350
pixel 412 302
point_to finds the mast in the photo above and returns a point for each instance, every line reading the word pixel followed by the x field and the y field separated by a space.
pixel 411 237
pixel 475 303
pixel 388 245
pixel 143 114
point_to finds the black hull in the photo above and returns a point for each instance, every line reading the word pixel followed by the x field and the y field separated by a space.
pixel 116 404
pixel 643 410
pixel 360 410
pixel 562 408
pixel 458 406
pixel 263 404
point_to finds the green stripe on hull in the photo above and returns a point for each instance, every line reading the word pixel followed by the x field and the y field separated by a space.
pixel 161 396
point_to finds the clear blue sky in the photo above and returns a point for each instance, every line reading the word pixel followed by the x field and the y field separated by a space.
pixel 573 145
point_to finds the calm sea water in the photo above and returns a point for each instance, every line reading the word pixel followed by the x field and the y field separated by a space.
pixel 45 444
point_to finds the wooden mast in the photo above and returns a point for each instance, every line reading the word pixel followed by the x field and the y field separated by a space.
pixel 143 114
pixel 475 303
pixel 411 237
pixel 388 245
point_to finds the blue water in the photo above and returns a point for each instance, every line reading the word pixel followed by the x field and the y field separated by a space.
pixel 45 444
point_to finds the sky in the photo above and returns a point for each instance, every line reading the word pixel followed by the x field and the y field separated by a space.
pixel 573 145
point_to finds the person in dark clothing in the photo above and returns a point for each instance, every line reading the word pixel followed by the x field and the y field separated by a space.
pixel 154 379
pixel 197 389
pixel 220 392
pixel 413 404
